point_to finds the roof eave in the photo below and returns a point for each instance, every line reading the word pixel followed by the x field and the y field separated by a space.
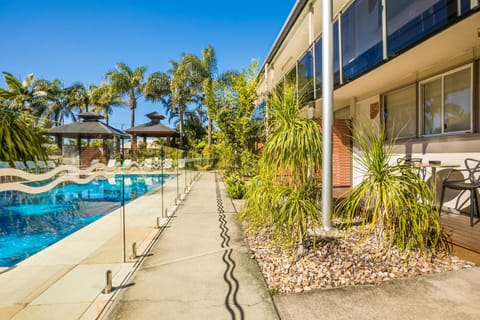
pixel 287 26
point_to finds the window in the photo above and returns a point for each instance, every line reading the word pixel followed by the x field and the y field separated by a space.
pixel 291 77
pixel 305 77
pixel 318 62
pixel 318 68
pixel 361 37
pixel 446 102
pixel 467 5
pixel 400 113
pixel 336 55
pixel 411 21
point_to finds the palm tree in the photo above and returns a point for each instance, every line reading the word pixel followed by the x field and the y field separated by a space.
pixel 103 98
pixel 124 80
pixel 157 89
pixel 207 70
pixel 24 96
pixel 59 101
pixel 79 97
pixel 19 140
pixel 184 87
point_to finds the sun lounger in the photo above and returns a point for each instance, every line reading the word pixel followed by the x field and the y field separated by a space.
pixel 20 165
pixel 51 165
pixel 32 167
pixel 4 164
pixel 42 166
pixel 148 164
pixel 167 163
pixel 111 165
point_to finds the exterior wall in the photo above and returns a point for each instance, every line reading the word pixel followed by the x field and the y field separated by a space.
pixel 342 153
pixel 448 46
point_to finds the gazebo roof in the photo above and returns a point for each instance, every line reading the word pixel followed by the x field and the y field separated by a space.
pixel 153 128
pixel 89 127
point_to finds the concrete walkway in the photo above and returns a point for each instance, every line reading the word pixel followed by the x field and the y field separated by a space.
pixel 447 296
pixel 200 267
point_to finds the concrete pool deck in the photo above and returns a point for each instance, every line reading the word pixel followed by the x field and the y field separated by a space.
pixel 63 280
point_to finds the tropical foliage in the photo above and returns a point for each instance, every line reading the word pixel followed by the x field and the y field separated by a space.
pixel 392 202
pixel 19 139
pixel 192 92
pixel 239 132
pixel 284 196
pixel 24 96
pixel 235 186
pixel 130 82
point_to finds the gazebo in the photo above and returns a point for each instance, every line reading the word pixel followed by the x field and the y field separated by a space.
pixel 151 129
pixel 89 127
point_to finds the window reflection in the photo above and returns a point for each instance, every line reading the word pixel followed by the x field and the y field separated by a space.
pixel 457 101
pixel 336 58
pixel 400 111
pixel 447 103
pixel 411 21
pixel 305 77
pixel 432 106
pixel 318 67
pixel 361 37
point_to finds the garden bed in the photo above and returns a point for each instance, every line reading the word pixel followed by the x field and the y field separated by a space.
pixel 346 261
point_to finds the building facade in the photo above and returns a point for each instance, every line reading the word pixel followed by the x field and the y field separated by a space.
pixel 412 65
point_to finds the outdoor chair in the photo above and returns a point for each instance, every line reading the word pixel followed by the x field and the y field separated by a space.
pixel 42 166
pixel 414 164
pixel 111 165
pixel 148 164
pixel 32 167
pixel 470 183
pixel 20 165
pixel 4 164
pixel 167 163
pixel 51 165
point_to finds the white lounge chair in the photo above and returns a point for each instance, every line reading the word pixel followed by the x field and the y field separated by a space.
pixel 51 165
pixel 148 164
pixel 167 163
pixel 111 165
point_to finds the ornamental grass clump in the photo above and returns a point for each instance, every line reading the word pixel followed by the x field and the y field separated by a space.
pixel 393 202
pixel 284 195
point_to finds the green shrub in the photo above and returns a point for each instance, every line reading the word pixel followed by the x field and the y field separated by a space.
pixel 284 195
pixel 235 186
pixel 392 201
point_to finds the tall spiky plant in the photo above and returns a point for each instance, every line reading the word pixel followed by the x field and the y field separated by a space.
pixel 285 194
pixel 392 201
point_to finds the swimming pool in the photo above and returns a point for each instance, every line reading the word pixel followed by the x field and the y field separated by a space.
pixel 32 222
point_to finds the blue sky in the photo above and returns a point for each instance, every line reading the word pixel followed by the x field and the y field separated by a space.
pixel 80 40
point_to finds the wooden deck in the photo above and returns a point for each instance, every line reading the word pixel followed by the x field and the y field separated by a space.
pixel 464 240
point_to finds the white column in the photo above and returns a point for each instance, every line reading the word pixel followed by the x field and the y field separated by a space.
pixel 327 112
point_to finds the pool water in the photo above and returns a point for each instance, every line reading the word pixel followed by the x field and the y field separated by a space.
pixel 32 222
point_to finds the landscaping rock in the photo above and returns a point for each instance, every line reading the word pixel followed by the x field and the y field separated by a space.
pixel 339 262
